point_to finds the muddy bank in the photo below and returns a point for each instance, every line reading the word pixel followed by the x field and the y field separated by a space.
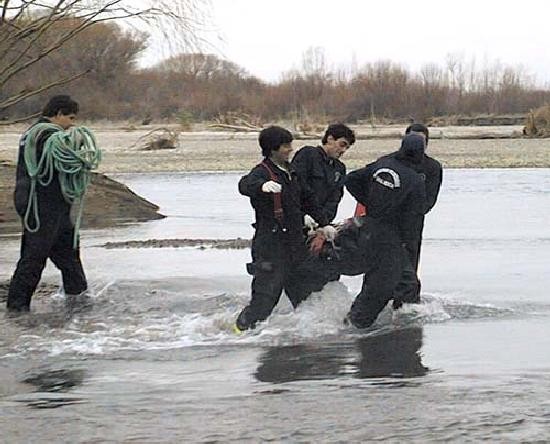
pixel 223 244
pixel 108 203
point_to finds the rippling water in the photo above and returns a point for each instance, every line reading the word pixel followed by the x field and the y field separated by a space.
pixel 150 357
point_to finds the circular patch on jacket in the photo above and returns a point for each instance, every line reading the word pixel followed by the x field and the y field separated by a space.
pixel 387 177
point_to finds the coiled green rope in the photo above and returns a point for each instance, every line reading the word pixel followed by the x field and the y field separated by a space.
pixel 73 154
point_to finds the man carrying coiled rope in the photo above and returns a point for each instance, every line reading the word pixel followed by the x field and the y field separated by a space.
pixel 53 171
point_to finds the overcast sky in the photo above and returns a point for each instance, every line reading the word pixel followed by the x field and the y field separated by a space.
pixel 268 37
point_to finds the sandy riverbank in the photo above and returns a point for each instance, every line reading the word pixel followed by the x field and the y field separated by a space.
pixel 226 151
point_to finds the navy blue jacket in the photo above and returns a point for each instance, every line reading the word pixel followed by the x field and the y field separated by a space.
pixel 323 176
pixel 395 197
pixel 296 200
pixel 50 198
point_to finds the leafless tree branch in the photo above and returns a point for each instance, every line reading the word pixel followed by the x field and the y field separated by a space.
pixel 10 101
pixel 32 30
pixel 19 120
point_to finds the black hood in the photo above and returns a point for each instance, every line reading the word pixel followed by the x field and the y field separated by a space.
pixel 412 148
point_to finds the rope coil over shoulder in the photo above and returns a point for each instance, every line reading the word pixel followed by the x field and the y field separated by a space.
pixel 277 198
pixel 73 154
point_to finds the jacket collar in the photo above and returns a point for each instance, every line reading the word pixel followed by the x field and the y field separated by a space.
pixel 278 170
pixel 326 158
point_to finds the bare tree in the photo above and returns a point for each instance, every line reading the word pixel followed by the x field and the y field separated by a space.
pixel 32 30
pixel 314 62
pixel 200 66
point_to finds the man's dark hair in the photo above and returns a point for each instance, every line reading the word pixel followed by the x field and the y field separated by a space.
pixel 338 130
pixel 418 128
pixel 60 104
pixel 272 137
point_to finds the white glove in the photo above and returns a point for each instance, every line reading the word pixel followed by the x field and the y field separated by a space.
pixel 271 187
pixel 329 232
pixel 310 223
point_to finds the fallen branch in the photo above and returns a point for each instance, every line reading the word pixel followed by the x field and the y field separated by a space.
pixel 158 139
pixel 235 127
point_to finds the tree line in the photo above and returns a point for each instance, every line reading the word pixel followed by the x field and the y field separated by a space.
pixel 101 63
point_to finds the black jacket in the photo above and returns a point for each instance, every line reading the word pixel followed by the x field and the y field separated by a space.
pixel 50 198
pixel 395 197
pixel 429 168
pixel 433 173
pixel 296 200
pixel 323 176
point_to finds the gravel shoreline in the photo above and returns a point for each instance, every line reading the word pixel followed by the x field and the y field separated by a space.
pixel 454 147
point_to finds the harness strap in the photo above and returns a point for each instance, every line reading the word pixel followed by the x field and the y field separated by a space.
pixel 277 197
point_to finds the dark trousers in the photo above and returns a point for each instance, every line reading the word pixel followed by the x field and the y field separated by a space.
pixel 54 241
pixel 385 265
pixel 275 267
pixel 408 289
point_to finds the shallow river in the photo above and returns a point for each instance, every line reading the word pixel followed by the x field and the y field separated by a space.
pixel 151 358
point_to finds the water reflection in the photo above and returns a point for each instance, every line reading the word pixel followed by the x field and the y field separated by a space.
pixel 395 354
pixel 56 380
pixel 298 362
pixel 50 382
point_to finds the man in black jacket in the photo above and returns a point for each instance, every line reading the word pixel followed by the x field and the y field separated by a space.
pixel 395 198
pixel 279 200
pixel 408 289
pixel 322 171
pixel 54 237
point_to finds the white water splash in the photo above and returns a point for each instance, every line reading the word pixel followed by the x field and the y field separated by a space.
pixel 164 322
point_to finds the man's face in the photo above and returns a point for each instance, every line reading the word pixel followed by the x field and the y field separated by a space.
pixel 65 121
pixel 282 154
pixel 335 148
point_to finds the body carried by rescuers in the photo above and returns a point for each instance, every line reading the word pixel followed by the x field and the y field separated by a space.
pixel 279 199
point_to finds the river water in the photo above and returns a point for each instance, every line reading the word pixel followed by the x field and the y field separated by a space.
pixel 151 357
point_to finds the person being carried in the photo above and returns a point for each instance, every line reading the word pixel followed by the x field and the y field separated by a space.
pixel 47 176
pixel 280 200
pixel 395 198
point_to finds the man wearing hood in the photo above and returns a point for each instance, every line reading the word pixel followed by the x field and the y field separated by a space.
pixel 408 289
pixel 395 197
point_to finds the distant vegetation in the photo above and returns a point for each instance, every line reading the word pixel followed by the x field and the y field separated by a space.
pixel 538 122
pixel 192 87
